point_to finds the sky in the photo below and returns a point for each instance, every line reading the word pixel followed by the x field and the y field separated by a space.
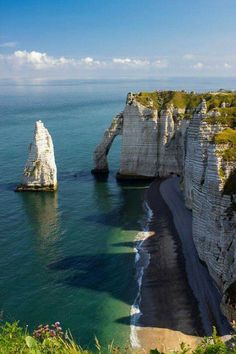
pixel 89 39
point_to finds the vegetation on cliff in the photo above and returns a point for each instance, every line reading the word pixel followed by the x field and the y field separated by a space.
pixel 226 143
pixel 222 103
pixel 53 340
pixel 230 184
pixel 226 139
pixel 163 99
pixel 227 136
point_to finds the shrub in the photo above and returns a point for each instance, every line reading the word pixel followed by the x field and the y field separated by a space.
pixel 228 137
pixel 52 340
pixel 230 184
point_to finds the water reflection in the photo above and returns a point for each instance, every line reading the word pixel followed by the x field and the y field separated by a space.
pixel 118 207
pixel 43 216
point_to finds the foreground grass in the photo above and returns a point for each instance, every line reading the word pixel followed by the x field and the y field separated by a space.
pixel 15 339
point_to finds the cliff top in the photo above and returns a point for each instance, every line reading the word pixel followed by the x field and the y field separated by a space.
pixel 227 137
pixel 221 105
pixel 187 100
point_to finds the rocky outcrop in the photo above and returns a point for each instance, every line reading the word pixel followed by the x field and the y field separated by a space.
pixel 40 173
pixel 102 150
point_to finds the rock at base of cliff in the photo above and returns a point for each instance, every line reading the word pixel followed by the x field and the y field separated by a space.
pixel 26 188
pixel 125 177
pixel 100 172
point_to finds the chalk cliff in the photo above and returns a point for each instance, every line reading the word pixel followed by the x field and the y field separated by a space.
pixel 102 150
pixel 205 175
pixel 166 132
pixel 40 173
pixel 139 141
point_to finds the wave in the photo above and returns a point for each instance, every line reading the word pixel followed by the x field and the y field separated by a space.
pixel 142 259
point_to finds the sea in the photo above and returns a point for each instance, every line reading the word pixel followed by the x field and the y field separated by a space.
pixel 69 256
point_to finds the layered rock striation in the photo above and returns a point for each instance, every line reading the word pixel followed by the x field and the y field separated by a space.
pixel 205 175
pixel 40 172
pixel 139 141
pixel 171 132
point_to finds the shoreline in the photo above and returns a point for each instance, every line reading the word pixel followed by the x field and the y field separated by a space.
pixel 200 280
pixel 166 311
pixel 142 260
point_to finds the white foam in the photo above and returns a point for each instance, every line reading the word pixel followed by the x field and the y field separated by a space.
pixel 142 259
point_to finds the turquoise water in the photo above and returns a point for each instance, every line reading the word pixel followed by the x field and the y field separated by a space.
pixel 69 256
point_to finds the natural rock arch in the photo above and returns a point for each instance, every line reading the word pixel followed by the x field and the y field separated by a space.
pixel 102 150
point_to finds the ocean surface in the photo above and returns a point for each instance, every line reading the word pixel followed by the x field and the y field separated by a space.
pixel 69 256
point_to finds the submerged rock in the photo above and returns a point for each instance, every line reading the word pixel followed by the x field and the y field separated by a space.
pixel 40 173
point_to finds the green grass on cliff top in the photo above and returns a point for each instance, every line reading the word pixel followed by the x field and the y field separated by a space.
pixel 183 99
pixel 190 100
pixel 227 137
pixel 162 99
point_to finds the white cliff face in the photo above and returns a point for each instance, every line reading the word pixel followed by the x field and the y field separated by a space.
pixel 199 138
pixel 171 144
pixel 214 218
pixel 102 150
pixel 151 146
pixel 139 141
pixel 40 172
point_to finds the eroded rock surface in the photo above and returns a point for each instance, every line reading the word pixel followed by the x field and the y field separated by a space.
pixel 102 150
pixel 139 141
pixel 40 173
pixel 214 216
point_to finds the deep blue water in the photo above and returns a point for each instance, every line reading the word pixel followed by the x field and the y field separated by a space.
pixel 68 256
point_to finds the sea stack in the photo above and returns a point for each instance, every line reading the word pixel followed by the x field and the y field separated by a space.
pixel 40 173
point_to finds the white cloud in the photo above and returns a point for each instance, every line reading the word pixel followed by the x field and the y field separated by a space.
pixel 161 64
pixel 128 61
pixel 198 66
pixel 188 56
pixel 43 61
pixel 121 61
pixel 140 62
pixel 39 60
pixel 90 61
pixel 8 45
pixel 227 66
pixel 35 64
